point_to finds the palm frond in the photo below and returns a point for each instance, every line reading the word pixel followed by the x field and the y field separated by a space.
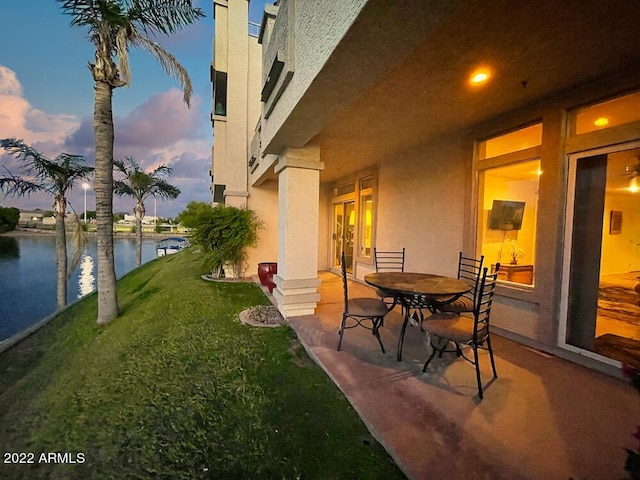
pixel 162 170
pixel 169 64
pixel 40 174
pixel 162 16
pixel 78 242
pixel 33 162
pixel 18 187
pixel 121 188
pixel 138 184
pixel 163 189
pixel 93 12
pixel 122 37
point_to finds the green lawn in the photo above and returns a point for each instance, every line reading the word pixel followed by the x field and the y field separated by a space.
pixel 176 387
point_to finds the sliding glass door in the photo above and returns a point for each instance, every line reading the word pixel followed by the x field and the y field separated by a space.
pixel 602 258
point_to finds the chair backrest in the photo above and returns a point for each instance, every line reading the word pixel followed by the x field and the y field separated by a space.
pixel 470 269
pixel 389 261
pixel 343 269
pixel 482 305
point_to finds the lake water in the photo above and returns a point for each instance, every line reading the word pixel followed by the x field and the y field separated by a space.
pixel 28 276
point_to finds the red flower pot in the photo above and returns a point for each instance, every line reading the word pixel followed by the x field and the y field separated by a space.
pixel 266 271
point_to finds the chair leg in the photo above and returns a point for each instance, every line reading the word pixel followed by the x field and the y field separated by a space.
pixel 401 338
pixel 493 363
pixel 341 332
pixel 477 364
pixel 377 323
pixel 426 364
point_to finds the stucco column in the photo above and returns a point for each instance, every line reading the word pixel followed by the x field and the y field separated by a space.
pixel 298 209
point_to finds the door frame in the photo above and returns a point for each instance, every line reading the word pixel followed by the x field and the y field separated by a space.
pixel 341 200
pixel 572 159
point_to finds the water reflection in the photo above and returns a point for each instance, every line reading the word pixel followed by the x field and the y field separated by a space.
pixel 28 280
pixel 86 279
pixel 9 247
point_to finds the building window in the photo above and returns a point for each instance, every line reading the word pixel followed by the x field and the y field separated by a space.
pixel 220 93
pixel 608 114
pixel 508 204
pixel 365 233
pixel 218 193
pixel 517 141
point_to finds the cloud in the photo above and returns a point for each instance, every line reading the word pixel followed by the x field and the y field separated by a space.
pixel 19 119
pixel 9 84
pixel 161 130
pixel 160 121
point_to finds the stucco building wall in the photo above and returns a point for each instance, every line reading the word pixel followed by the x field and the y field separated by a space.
pixel 307 31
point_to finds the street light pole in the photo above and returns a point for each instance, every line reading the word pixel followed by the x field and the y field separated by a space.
pixel 85 186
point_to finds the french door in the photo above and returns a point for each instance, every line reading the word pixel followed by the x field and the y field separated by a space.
pixel 343 232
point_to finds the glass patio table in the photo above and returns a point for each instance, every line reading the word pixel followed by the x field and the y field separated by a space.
pixel 417 291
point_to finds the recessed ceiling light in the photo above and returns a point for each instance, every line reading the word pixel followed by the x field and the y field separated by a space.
pixel 479 76
pixel 601 122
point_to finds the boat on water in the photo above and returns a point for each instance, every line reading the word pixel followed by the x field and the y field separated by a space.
pixel 171 245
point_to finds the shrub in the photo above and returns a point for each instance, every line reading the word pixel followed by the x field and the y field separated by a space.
pixel 8 219
pixel 224 233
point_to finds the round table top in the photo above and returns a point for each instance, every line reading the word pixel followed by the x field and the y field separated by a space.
pixel 409 283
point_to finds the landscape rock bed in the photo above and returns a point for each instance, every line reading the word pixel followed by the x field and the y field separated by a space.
pixel 262 316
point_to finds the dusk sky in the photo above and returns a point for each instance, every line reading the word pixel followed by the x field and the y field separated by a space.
pixel 46 99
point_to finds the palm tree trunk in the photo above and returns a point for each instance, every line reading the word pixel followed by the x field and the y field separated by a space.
pixel 103 131
pixel 139 212
pixel 61 252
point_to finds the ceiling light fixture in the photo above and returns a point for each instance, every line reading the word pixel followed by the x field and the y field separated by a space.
pixel 479 76
pixel 601 122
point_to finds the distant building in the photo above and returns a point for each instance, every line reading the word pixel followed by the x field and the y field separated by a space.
pixel 146 220
pixel 31 216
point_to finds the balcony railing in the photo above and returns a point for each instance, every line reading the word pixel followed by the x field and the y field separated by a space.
pixel 254 153
pixel 254 29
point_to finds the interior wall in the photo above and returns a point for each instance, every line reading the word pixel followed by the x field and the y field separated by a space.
pixel 621 252
pixel 492 240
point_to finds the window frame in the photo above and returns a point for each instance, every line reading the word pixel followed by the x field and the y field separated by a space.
pixel 481 166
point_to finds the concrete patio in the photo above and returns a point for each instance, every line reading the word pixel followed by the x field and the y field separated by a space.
pixel 543 418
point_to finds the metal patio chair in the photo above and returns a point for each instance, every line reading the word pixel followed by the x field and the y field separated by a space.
pixel 467 332
pixel 388 261
pixel 361 311
pixel 469 269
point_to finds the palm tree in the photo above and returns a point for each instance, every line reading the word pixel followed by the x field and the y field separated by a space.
pixel 53 177
pixel 115 26
pixel 140 185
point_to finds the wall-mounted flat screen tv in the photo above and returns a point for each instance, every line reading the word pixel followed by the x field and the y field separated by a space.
pixel 506 215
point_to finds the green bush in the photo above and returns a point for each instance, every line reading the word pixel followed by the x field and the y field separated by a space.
pixel 8 219
pixel 223 232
